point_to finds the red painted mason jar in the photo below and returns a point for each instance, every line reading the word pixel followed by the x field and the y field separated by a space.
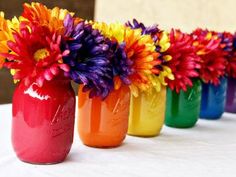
pixel 43 121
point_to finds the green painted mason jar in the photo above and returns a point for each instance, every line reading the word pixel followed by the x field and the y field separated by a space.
pixel 183 108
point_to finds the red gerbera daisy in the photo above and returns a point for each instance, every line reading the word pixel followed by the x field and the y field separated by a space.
pixel 184 60
pixel 213 62
pixel 36 55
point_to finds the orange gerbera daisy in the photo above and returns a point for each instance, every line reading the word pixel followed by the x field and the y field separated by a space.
pixel 52 18
pixel 6 27
pixel 3 37
pixel 141 50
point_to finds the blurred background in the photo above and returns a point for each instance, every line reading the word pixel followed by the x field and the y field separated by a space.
pixel 185 14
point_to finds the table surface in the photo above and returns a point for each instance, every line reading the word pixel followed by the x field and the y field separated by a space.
pixel 207 150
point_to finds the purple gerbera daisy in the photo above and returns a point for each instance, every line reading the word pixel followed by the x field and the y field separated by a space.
pixel 150 30
pixel 94 60
pixel 89 58
pixel 120 62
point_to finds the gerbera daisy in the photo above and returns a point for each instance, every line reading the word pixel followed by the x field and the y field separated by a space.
pixel 150 30
pixel 231 67
pixel 89 58
pixel 3 37
pixel 52 18
pixel 162 44
pixel 184 61
pixel 6 27
pixel 140 51
pixel 228 44
pixel 34 57
pixel 213 63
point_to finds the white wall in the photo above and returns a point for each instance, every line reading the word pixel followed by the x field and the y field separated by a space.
pixel 185 14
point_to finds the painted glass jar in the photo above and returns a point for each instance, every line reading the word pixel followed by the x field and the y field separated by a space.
pixel 147 113
pixel 231 96
pixel 213 100
pixel 104 123
pixel 43 121
pixel 182 110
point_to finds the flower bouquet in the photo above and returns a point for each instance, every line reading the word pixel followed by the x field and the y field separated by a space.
pixel 147 107
pixel 44 101
pixel 130 59
pixel 212 72
pixel 99 64
pixel 228 44
pixel 184 92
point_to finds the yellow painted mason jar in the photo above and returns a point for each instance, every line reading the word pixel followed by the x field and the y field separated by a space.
pixel 147 113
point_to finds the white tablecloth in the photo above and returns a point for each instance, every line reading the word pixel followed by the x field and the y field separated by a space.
pixel 207 150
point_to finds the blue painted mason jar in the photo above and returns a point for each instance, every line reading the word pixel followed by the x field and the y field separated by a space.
pixel 213 100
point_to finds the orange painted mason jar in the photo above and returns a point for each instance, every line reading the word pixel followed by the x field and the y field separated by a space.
pixel 104 123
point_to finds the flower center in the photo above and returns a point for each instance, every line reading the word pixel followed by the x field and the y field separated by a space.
pixel 41 54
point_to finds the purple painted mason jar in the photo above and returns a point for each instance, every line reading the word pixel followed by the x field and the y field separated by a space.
pixel 231 96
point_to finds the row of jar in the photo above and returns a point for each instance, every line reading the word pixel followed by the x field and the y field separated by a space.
pixel 43 118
